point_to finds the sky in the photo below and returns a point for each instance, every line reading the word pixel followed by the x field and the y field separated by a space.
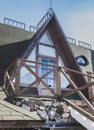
pixel 76 17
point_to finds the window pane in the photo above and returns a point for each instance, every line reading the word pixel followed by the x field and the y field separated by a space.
pixel 82 60
pixel 49 78
pixel 51 63
pixel 43 72
pixel 44 62
pixel 51 75
pixel 26 76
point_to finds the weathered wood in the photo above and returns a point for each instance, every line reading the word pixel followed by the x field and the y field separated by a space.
pixel 30 85
pixel 21 124
pixel 79 89
pixel 17 78
pixel 38 96
pixel 10 66
pixel 58 86
pixel 9 80
pixel 65 68
pixel 79 92
pixel 80 110
pixel 92 73
pixel 38 78
pixel 90 91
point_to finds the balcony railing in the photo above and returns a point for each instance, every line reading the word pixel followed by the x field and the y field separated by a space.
pixel 79 43
pixel 13 81
pixel 45 18
pixel 14 23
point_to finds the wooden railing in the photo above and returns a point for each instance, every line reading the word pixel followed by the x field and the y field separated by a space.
pixel 33 29
pixel 80 110
pixel 13 80
pixel 46 17
pixel 14 23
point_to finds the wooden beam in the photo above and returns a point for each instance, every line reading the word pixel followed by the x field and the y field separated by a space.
pixel 79 92
pixel 79 89
pixel 38 96
pixel 38 78
pixel 11 124
pixel 9 80
pixel 90 90
pixel 58 85
pixel 17 78
pixel 80 110
pixel 30 85
pixel 64 68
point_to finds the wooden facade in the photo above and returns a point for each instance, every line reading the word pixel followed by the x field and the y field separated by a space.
pixel 47 46
pixel 44 66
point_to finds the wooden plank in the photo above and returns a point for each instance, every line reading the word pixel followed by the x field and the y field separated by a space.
pixel 37 96
pixel 17 78
pixel 90 91
pixel 21 124
pixel 65 68
pixel 30 85
pixel 80 110
pixel 79 92
pixel 79 89
pixel 58 85
pixel 38 78
pixel 9 80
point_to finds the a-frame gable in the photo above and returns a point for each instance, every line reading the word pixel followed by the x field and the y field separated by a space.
pixel 62 46
pixel 65 52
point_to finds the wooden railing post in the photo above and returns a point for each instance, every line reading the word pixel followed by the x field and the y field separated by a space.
pixel 90 88
pixel 58 85
pixel 17 78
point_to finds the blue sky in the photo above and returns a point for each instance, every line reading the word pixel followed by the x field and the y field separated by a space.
pixel 75 16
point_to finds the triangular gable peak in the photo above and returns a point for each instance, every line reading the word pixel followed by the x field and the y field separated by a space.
pixel 48 49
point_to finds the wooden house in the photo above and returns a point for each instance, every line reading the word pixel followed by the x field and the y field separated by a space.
pixel 42 65
pixel 39 65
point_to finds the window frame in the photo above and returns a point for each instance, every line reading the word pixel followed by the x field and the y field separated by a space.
pixel 54 72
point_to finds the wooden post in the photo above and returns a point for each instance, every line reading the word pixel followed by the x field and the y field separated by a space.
pixel 79 92
pixel 58 85
pixel 17 79
pixel 79 89
pixel 90 88
pixel 38 78
pixel 80 110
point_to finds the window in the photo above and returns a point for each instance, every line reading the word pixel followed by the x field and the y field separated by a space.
pixel 50 77
pixel 82 60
